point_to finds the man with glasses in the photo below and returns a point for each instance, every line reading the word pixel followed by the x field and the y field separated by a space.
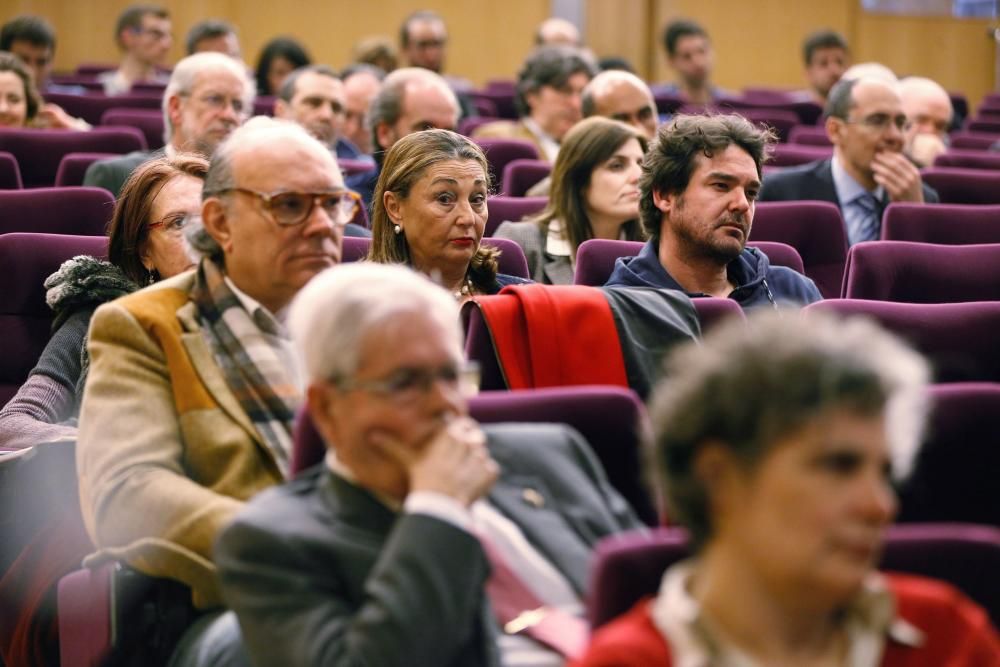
pixel 208 96
pixel 421 534
pixel 423 40
pixel 866 123
pixel 194 384
pixel 143 35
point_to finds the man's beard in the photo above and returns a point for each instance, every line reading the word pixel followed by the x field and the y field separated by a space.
pixel 704 245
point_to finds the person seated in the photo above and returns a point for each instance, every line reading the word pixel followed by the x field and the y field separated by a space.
pixel 430 213
pixel 143 35
pixel 361 84
pixel 423 40
pixel 774 445
pixel 19 99
pixel 421 534
pixel 868 170
pixel 548 100
pixel 929 115
pixel 697 196
pixel 377 51
pixel 556 31
pixel 689 54
pixel 826 59
pixel 279 58
pixel 622 96
pixel 213 35
pixel 193 383
pixel 595 195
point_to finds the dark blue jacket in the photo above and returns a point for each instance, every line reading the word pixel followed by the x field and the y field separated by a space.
pixel 757 282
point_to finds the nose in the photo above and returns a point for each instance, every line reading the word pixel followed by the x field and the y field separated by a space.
pixel 740 202
pixel 465 216
pixel 877 501
pixel 635 171
pixel 319 223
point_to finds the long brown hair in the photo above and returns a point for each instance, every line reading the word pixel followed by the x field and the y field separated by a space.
pixel 128 230
pixel 407 161
pixel 33 101
pixel 588 145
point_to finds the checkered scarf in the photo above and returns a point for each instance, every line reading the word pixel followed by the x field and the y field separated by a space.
pixel 249 349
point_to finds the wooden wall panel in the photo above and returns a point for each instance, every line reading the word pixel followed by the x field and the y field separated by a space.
pixel 621 28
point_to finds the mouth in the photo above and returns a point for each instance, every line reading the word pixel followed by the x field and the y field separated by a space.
pixel 464 242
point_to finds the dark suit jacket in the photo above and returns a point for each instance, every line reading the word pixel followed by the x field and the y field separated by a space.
pixel 321 573
pixel 112 173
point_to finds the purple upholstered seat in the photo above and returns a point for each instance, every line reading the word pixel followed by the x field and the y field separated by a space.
pixel 954 476
pixel 10 172
pixel 73 167
pixel 630 566
pixel 973 140
pixel 83 211
pixel 780 254
pixel 520 175
pixel 947 224
pixel 789 155
pixel 957 185
pixel 959 339
pixel 39 152
pixel 511 260
pixel 501 99
pixel 611 419
pixel 499 152
pixel 968 159
pixel 27 260
pixel 809 135
pixel 148 121
pixel 713 311
pixel 467 126
pixel 92 107
pixel 922 272
pixel 263 105
pixel 781 120
pixel 514 209
pixel 983 125
pixel 807 112
pixel 815 229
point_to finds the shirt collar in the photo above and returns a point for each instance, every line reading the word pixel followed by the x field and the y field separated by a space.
pixel 556 244
pixel 262 317
pixel 847 188
pixel 549 145
pixel 337 467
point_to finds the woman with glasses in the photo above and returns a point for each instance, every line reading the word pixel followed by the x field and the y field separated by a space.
pixel 145 245
pixel 429 212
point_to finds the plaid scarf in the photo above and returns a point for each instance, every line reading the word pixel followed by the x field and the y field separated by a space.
pixel 250 350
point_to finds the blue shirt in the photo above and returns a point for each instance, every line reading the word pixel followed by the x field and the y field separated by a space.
pixel 848 192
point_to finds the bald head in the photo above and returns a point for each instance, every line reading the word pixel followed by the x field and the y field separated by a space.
pixel 622 96
pixel 926 104
pixel 870 70
pixel 411 99
pixel 557 31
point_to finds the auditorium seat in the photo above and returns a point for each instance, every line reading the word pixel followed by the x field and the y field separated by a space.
pixel 92 107
pixel 467 126
pixel 148 121
pixel 521 175
pixel 809 135
pixel 969 159
pixel 513 209
pixel 922 272
pixel 973 140
pixel 499 152
pixel 789 155
pixel 502 101
pixel 39 152
pixel 946 224
pixel 983 125
pixel 73 167
pixel 80 211
pixel 779 119
pixel 956 185
pixel 10 172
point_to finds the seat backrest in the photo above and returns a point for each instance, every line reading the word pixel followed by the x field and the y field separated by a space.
pixel 629 567
pixel 713 311
pixel 946 224
pixel 467 126
pixel 10 172
pixel 39 152
pixel 983 125
pixel 513 209
pixel 28 259
pixel 595 259
pixel 92 107
pixel 973 140
pixel 779 254
pixel 499 152
pixel 969 159
pixel 922 272
pixel 73 167
pixel 520 175
pixel 781 120
pixel 511 260
pixel 789 155
pixel 957 185
pixel 809 135
pixel 958 339
pixel 501 99
pixel 82 211
pixel 148 121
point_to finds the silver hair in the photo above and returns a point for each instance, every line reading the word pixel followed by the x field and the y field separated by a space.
pixel 387 106
pixel 182 81
pixel 337 311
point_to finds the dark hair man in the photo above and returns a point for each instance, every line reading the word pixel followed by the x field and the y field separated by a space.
pixel 689 53
pixel 143 35
pixel 826 58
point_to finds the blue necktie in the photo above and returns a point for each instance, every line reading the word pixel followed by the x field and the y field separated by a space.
pixel 871 221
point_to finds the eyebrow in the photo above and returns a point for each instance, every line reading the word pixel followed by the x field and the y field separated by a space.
pixel 729 178
pixel 452 181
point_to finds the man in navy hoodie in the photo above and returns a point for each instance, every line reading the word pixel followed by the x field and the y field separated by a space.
pixel 697 193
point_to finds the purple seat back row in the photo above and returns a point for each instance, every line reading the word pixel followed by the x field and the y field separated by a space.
pixel 39 152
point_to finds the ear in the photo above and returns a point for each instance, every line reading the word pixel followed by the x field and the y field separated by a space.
pixel 281 109
pixel 393 207
pixel 174 111
pixel 386 135
pixel 215 218
pixel 716 467
pixel 321 407
pixel 145 257
pixel 835 128
pixel 665 201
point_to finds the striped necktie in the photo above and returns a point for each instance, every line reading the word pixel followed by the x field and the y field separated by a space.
pixel 871 222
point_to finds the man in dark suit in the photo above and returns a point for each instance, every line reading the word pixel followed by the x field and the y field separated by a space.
pixel 865 122
pixel 208 96
pixel 378 556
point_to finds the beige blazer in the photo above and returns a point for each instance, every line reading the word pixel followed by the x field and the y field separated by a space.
pixel 166 455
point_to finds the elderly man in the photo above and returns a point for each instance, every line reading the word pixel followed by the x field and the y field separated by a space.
pixel 623 96
pixel 143 35
pixel 208 96
pixel 689 53
pixel 410 100
pixel 865 122
pixel 213 35
pixel 826 59
pixel 383 554
pixel 549 88
pixel 193 383
pixel 696 201
pixel 361 84
pixel 929 115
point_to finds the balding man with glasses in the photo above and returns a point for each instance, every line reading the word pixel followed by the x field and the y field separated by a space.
pixel 194 383
pixel 868 170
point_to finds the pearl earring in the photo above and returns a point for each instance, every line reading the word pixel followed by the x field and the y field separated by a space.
pixel 397 229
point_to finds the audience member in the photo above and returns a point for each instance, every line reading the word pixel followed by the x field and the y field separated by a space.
pixel 313 96
pixel 870 70
pixel 697 195
pixel 19 99
pixel 615 62
pixel 622 96
pixel 143 35
pixel 213 35
pixel 429 212
pixel 689 53
pixel 378 51
pixel 423 39
pixel 361 84
pixel 279 58
pixel 208 96
pixel 826 59
pixel 193 383
pixel 387 552
pixel 549 87
pixel 410 100
pixel 775 445
pixel 929 115
pixel 557 31
pixel 865 122
pixel 595 194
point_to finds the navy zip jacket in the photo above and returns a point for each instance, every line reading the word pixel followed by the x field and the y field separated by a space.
pixel 757 282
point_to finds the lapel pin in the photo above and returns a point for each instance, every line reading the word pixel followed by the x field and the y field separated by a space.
pixel 533 498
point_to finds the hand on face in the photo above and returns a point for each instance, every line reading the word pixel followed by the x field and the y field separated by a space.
pixel 454 461
pixel 894 171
